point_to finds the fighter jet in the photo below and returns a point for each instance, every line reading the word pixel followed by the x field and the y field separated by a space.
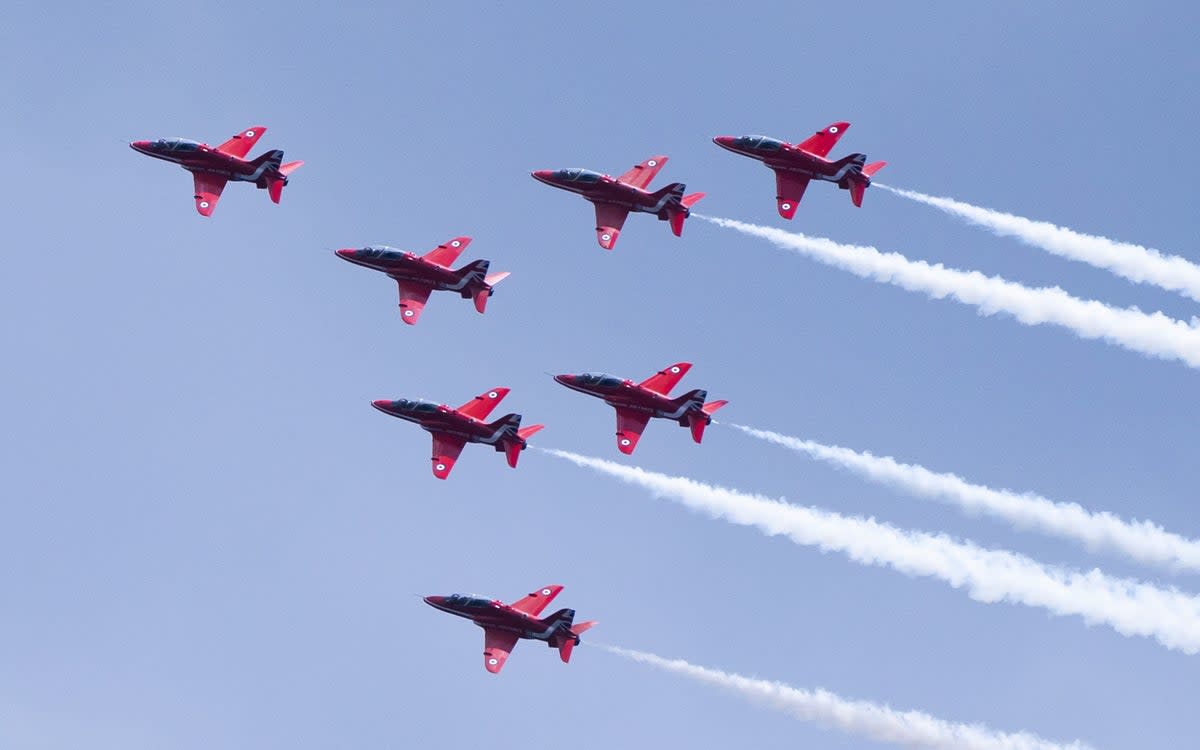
pixel 615 197
pixel 503 624
pixel 637 403
pixel 418 275
pixel 454 428
pixel 212 167
pixel 795 165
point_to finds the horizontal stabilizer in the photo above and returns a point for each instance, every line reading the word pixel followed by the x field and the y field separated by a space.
pixel 496 278
pixel 526 432
pixel 712 406
pixel 275 190
pixel 857 190
pixel 513 448
pixel 564 650
pixel 874 167
pixel 291 166
pixel 580 628
pixel 690 200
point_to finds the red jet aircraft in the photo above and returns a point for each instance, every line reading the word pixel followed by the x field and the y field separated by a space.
pixel 615 197
pixel 212 167
pixel 418 275
pixel 503 624
pixel 454 428
pixel 795 165
pixel 636 404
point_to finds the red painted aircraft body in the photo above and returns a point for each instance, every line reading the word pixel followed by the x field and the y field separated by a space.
pixel 453 428
pixel 615 197
pixel 504 624
pixel 637 403
pixel 212 167
pixel 419 275
pixel 796 164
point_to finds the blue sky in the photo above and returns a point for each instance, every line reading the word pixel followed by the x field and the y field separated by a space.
pixel 209 538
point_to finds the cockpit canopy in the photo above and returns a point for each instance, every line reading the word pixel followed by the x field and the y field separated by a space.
pixel 379 252
pixel 469 600
pixel 600 379
pixel 415 405
pixel 577 175
pixel 177 144
pixel 758 142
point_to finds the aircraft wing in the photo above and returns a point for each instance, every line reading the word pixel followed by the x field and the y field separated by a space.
pixel 630 424
pixel 412 300
pixel 481 406
pixel 664 380
pixel 446 253
pixel 533 604
pixel 445 452
pixel 497 645
pixel 240 144
pixel 609 220
pixel 641 174
pixel 789 189
pixel 208 191
pixel 823 141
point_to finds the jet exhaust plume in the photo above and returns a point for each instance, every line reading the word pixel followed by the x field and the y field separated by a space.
pixel 1151 334
pixel 860 718
pixel 1142 541
pixel 1138 264
pixel 1130 607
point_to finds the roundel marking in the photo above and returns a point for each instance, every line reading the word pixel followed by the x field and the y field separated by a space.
pixel 675 369
pixel 408 313
pixel 545 592
pixel 441 467
pixel 652 163
pixel 492 394
pixel 203 204
pixel 833 128
pixel 785 206
pixel 249 133
pixel 624 441
pixel 606 237
pixel 493 661
pixel 456 243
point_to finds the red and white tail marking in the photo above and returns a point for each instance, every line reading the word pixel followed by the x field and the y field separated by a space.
pixel 513 448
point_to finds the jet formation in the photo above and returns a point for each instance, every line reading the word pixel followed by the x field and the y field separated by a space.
pixel 418 276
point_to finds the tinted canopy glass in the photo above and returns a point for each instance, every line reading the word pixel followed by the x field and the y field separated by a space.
pixel 760 142
pixel 577 175
pixel 601 379
pixel 178 144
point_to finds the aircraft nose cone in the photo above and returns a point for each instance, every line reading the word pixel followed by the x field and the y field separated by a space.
pixel 565 379
pixel 139 145
pixel 346 252
pixel 724 141
pixel 433 601
pixel 542 174
pixel 381 404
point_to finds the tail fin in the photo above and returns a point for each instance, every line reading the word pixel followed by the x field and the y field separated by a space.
pixel 695 397
pixel 483 292
pixel 858 187
pixel 699 420
pixel 678 217
pixel 474 268
pixel 859 159
pixel 566 646
pixel 274 158
pixel 513 448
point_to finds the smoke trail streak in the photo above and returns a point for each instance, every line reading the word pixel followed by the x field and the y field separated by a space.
pixel 1130 607
pixel 860 718
pixel 1142 541
pixel 1152 334
pixel 1139 264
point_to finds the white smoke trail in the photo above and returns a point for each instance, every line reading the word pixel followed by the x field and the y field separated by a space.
pixel 860 718
pixel 1130 607
pixel 1153 334
pixel 1136 263
pixel 1143 541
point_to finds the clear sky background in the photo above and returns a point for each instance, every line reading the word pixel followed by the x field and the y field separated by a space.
pixel 208 539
